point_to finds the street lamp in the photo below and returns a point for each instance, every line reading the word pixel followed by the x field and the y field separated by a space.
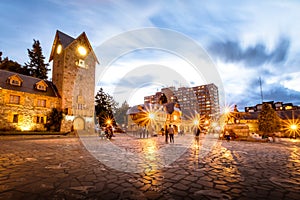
pixel 294 127
pixel 108 122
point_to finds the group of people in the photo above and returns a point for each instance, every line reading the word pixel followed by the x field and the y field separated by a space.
pixel 168 133
pixel 144 132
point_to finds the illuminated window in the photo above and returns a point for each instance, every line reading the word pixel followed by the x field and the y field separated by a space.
pixel 14 99
pixel 15 118
pixel 39 120
pixel 59 49
pixel 41 103
pixel 15 82
pixel 41 87
pixel 288 107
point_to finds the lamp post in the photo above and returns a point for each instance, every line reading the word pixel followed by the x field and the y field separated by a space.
pixel 294 128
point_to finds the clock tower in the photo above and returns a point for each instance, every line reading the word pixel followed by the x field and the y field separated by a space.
pixel 73 73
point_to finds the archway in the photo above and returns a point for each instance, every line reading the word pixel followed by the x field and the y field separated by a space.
pixel 78 123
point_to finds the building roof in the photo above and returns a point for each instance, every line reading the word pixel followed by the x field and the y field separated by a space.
pixel 28 84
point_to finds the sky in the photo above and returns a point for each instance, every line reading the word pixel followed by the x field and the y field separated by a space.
pixel 144 46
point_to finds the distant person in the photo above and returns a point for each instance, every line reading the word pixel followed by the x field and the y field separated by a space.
pixel 198 131
pixel 236 115
pixel 227 136
pixel 144 131
pixel 167 135
pixel 162 130
pixel 181 132
pixel 147 132
pixel 171 133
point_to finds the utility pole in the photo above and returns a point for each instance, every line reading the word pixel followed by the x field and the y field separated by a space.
pixel 261 92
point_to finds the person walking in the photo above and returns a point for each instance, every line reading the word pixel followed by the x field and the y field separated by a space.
pixel 227 136
pixel 171 133
pixel 162 131
pixel 167 134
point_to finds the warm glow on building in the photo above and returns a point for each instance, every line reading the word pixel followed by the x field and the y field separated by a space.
pixel 25 127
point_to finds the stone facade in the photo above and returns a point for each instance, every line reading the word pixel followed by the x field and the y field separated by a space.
pixel 23 110
pixel 74 77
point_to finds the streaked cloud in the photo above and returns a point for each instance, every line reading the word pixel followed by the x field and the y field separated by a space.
pixel 245 39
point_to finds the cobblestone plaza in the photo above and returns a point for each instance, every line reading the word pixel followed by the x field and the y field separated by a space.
pixel 52 167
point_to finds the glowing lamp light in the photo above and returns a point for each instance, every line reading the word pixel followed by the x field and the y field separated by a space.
pixel 82 51
pixel 151 115
pixel 108 121
pixel 226 110
pixel 294 127
pixel 196 122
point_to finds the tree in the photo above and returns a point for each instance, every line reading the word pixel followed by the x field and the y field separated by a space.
pixel 54 120
pixel 120 114
pixel 10 65
pixel 104 108
pixel 268 120
pixel 36 66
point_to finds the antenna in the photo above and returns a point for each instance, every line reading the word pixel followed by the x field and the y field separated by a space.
pixel 261 92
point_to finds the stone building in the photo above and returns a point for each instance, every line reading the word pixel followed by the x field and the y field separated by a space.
pixel 25 101
pixel 73 74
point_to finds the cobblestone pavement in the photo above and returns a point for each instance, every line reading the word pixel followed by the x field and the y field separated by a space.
pixel 62 168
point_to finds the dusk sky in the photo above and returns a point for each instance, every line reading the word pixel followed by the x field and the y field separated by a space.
pixel 243 40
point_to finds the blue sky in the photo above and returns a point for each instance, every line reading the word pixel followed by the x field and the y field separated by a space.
pixel 245 40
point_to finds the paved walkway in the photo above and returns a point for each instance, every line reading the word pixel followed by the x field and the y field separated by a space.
pixel 132 168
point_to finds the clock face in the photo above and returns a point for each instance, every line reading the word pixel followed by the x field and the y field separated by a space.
pixel 82 50
pixel 58 49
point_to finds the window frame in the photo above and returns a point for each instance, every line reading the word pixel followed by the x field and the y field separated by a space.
pixel 14 99
pixel 41 103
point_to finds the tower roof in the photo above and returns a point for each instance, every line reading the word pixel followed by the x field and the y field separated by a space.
pixel 66 40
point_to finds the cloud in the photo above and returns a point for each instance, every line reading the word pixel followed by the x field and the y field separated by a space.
pixel 231 51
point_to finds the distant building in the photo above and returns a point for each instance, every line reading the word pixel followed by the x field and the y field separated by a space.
pixel 286 112
pixel 203 100
pixel 207 100
pixel 25 101
pixel 275 105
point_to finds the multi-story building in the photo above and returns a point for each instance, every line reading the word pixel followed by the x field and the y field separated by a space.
pixel 207 99
pixel 203 100
pixel 153 99
pixel 25 101
pixel 187 99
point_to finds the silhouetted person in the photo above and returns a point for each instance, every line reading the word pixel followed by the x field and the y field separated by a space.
pixel 171 133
